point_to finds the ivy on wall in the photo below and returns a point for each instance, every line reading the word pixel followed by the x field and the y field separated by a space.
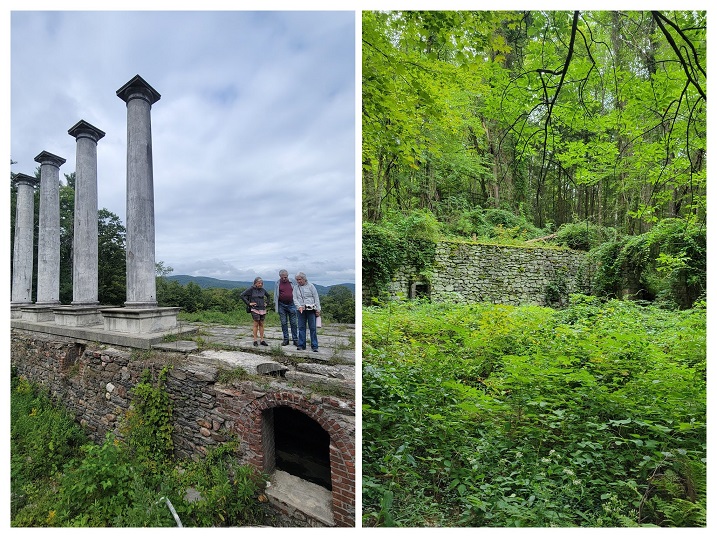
pixel 385 249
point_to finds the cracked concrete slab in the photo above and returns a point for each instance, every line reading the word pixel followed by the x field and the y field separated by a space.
pixel 293 493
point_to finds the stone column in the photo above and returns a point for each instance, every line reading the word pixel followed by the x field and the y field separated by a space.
pixel 48 243
pixel 141 284
pixel 85 250
pixel 23 248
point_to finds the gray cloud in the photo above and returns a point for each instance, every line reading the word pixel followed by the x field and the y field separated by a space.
pixel 253 138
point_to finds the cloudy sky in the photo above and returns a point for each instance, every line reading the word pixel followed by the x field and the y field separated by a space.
pixel 253 137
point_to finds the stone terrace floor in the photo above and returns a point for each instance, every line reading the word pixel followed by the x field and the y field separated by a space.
pixel 336 341
pixel 332 366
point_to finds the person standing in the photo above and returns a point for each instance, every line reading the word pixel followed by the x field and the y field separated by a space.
pixel 285 307
pixel 256 298
pixel 306 300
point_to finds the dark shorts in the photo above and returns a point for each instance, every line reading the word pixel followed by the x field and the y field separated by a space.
pixel 258 317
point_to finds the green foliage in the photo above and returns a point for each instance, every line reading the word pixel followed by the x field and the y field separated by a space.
pixel 149 423
pixel 96 491
pixel 668 263
pixel 227 492
pixel 556 116
pixel 489 415
pixel 119 483
pixel 339 305
pixel 583 235
pixel 112 259
pixel 402 239
pixel 493 224
pixel 380 257
pixel 43 439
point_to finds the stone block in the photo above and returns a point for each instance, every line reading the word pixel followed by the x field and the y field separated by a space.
pixel 139 320
pixel 77 316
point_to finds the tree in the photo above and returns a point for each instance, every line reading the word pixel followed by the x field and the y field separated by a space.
pixel 112 276
pixel 339 304
pixel 557 116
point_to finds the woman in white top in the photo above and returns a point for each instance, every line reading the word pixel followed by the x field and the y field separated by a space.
pixel 308 306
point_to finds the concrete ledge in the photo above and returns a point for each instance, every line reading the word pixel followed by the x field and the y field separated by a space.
pixel 252 364
pixel 98 334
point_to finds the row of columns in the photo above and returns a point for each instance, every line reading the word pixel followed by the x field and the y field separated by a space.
pixel 140 245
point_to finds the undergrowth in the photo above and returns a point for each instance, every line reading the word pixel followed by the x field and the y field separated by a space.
pixel 491 415
pixel 61 479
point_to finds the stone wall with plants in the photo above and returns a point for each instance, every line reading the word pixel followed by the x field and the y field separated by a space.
pixel 209 404
pixel 469 272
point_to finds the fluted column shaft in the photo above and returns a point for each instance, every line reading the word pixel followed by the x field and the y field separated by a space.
pixel 22 263
pixel 48 241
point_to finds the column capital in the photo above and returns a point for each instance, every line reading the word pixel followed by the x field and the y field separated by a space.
pixel 24 179
pixel 137 88
pixel 82 129
pixel 46 157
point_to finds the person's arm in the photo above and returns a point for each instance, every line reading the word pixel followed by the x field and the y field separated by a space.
pixel 316 299
pixel 297 299
pixel 244 296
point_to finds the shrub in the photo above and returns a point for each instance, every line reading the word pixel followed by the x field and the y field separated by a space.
pixel 583 235
pixel 116 483
pixel 668 264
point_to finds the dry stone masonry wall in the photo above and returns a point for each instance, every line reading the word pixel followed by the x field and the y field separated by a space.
pixel 468 272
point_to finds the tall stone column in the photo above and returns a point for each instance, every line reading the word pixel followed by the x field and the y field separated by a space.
pixel 85 250
pixel 23 248
pixel 48 242
pixel 141 284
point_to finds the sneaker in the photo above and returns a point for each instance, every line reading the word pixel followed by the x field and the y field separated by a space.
pixel 315 350
pixel 285 343
pixel 299 348
pixel 256 343
pixel 296 343
pixel 264 343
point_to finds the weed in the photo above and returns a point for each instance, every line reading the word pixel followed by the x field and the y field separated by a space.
pixel 225 376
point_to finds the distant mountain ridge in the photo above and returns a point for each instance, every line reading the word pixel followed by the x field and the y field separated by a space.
pixel 209 282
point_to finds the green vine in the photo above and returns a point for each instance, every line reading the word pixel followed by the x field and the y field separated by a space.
pixel 408 239
pixel 148 423
pixel 667 264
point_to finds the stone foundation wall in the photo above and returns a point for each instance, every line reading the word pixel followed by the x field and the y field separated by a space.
pixel 95 383
pixel 467 272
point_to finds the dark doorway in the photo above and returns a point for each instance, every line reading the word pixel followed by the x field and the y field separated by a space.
pixel 302 446
pixel 419 290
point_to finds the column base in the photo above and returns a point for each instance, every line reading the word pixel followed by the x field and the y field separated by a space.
pixel 140 320
pixel 17 308
pixel 143 305
pixel 40 312
pixel 78 315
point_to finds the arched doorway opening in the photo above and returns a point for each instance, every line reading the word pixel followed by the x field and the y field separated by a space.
pixel 301 446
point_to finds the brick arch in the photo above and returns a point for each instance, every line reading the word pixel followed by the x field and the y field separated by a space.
pixel 341 446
